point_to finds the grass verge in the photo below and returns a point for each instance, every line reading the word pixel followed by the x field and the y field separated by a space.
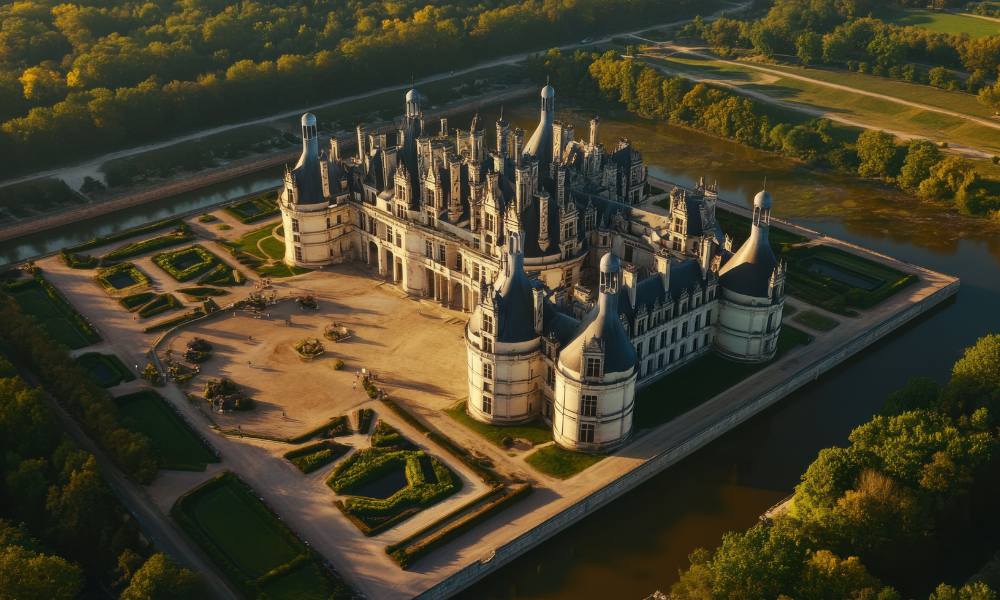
pixel 535 432
pixel 558 462
pixel 176 446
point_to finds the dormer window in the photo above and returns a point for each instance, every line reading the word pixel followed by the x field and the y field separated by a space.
pixel 593 367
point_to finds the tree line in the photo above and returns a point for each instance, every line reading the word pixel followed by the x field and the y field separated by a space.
pixel 918 167
pixel 76 79
pixel 910 500
pixel 850 34
pixel 62 531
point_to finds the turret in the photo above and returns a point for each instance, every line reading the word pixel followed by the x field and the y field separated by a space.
pixel 539 144
pixel 503 135
pixel 310 138
pixel 412 104
pixel 595 123
pixel 362 141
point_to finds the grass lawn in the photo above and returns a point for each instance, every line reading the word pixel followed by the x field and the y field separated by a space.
pixel 38 298
pixel 265 253
pixel 255 549
pixel 943 22
pixel 875 113
pixel 106 369
pixel 561 463
pixel 705 378
pixel 815 320
pixel 535 432
pixel 176 446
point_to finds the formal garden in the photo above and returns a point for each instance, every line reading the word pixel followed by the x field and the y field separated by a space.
pixel 40 299
pixel 389 482
pixel 187 263
pixel 255 208
pixel 252 546
pixel 181 234
pixel 105 369
pixel 175 445
pixel 123 278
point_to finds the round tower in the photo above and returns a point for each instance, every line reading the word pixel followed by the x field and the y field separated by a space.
pixel 753 293
pixel 594 396
pixel 503 346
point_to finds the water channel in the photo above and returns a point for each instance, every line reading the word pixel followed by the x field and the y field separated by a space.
pixel 639 543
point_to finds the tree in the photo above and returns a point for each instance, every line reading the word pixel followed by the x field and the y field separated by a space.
pixel 981 362
pixel 826 576
pixel 809 47
pixel 877 152
pixel 918 393
pixel 921 156
pixel 43 85
pixel 28 574
pixel 969 591
pixel 161 579
pixel 947 178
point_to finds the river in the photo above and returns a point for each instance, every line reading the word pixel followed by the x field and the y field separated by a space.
pixel 639 543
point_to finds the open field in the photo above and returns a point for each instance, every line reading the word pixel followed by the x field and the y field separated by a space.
pixel 258 552
pixel 946 22
pixel 876 113
pixel 177 447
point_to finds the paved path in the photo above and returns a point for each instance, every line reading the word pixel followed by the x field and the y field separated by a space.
pixel 96 162
pixel 738 86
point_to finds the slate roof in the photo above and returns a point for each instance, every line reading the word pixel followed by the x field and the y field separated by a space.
pixel 749 270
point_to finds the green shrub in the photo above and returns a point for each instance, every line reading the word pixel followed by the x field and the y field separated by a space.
pixel 222 274
pixel 106 277
pixel 124 235
pixel 202 292
pixel 137 301
pixel 178 236
pixel 387 436
pixel 161 304
pixel 314 456
pixel 254 209
pixel 78 261
pixel 364 419
pixel 187 263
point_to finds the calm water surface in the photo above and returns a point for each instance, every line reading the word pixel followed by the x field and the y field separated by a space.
pixel 639 543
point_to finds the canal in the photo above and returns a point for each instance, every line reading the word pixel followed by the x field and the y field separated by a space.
pixel 639 543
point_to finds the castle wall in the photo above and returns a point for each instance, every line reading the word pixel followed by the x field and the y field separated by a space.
pixel 612 420
pixel 748 327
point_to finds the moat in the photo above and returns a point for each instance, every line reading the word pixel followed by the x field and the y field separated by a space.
pixel 644 538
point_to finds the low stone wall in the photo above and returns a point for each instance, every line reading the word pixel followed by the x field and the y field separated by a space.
pixel 738 414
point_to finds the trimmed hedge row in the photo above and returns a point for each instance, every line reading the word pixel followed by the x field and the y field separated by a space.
pixel 366 465
pixel 123 235
pixel 254 209
pixel 78 261
pixel 167 260
pixel 406 551
pixel 201 292
pixel 161 304
pixel 386 436
pixel 364 419
pixel 178 320
pixel 104 276
pixel 136 301
pixel 179 236
pixel 314 456
pixel 222 274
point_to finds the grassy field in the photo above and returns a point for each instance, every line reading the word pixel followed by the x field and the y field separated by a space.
pixel 535 432
pixel 255 549
pixel 705 378
pixel 815 320
pixel 106 369
pixel 871 112
pixel 943 22
pixel 42 301
pixel 561 463
pixel 176 446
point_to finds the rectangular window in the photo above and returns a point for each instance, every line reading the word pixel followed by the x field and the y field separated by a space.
pixel 550 377
pixel 488 345
pixel 673 335
pixel 475 271
pixel 588 406
pixel 399 241
pixel 652 344
pixel 328 222
pixel 487 387
pixel 697 322
pixel 684 329
pixel 638 350
pixel 298 253
pixel 488 323
pixel 670 359
pixel 587 433
pixel 388 233
pixel 441 254
pixel 593 367
pixel 295 224
pixel 694 345
pixel 659 361
pixel 338 219
pixel 487 370
pixel 428 249
pixel 708 318
pixel 770 321
pixel 649 367
pixel 663 338
pixel 487 404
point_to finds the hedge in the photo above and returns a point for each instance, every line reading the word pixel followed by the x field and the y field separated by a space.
pixel 61 304
pixel 165 260
pixel 161 304
pixel 364 418
pixel 178 320
pixel 181 235
pixel 222 274
pixel 447 528
pixel 310 458
pixel 78 261
pixel 136 301
pixel 201 292
pixel 104 277
pixel 262 206
pixel 123 235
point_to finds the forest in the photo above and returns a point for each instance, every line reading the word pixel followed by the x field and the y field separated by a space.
pixel 909 501
pixel 80 78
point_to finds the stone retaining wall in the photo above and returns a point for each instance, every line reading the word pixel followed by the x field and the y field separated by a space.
pixel 711 431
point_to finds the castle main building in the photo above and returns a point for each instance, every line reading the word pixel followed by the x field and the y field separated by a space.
pixel 519 234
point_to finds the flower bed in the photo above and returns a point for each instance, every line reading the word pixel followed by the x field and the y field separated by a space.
pixel 314 456
pixel 187 263
pixel 121 278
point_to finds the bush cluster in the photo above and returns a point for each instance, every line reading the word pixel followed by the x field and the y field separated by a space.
pixel 168 262
pixel 180 235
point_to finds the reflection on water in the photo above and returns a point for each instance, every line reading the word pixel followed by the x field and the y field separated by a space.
pixel 638 543
pixel 46 242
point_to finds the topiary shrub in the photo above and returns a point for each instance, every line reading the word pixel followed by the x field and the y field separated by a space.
pixel 309 348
